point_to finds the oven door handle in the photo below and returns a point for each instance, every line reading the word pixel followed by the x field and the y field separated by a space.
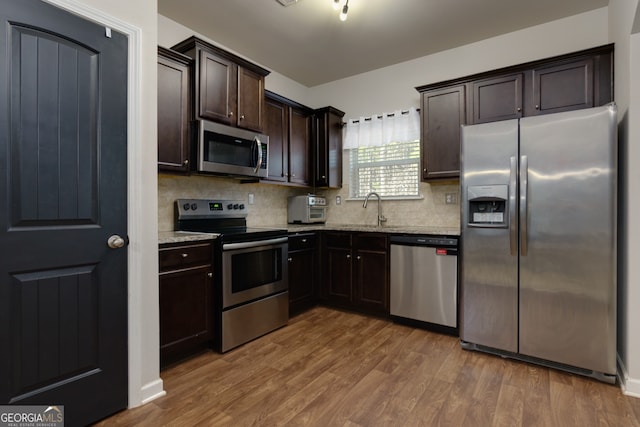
pixel 254 243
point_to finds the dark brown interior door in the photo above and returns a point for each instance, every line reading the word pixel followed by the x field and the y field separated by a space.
pixel 63 143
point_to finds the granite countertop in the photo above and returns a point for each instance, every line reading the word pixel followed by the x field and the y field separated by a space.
pixel 300 228
pixel 184 236
pixel 188 236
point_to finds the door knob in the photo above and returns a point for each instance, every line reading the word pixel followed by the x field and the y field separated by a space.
pixel 115 242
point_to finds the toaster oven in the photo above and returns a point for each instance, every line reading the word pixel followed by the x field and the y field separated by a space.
pixel 307 209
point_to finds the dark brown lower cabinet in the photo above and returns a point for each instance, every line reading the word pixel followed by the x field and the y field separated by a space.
pixel 355 270
pixel 302 265
pixel 371 273
pixel 186 308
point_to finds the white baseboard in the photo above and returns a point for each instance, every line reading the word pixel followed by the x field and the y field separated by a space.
pixel 152 391
pixel 629 386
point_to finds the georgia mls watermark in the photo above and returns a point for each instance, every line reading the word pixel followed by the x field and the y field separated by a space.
pixel 31 416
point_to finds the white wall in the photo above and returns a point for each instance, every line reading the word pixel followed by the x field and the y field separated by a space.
pixel 393 88
pixel 138 19
pixel 623 16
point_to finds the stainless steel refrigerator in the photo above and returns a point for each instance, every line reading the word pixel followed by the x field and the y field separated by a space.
pixel 538 246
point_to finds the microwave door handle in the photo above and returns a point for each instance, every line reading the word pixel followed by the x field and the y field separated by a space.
pixel 259 147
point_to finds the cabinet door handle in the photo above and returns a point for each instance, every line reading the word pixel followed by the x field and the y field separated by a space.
pixel 184 255
pixel 358 257
pixel 537 107
pixel 289 259
pixel 186 162
pixel 209 275
pixel 518 109
pixel 242 117
pixel 348 256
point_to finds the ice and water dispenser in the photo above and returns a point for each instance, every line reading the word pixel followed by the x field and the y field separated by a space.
pixel 488 205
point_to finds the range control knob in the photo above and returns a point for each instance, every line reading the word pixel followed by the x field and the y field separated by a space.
pixel 241 206
pixel 236 206
pixel 186 206
pixel 194 206
pixel 230 206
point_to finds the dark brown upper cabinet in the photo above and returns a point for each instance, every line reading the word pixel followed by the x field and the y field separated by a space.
pixel 228 89
pixel 328 148
pixel 174 111
pixel 300 146
pixel 497 98
pixel 563 87
pixel 443 112
pixel 569 82
pixel 277 128
pixel 289 127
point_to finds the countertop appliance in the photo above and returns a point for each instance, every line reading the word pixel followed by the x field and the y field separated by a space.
pixel 231 151
pixel 538 248
pixel 424 281
pixel 250 270
pixel 306 209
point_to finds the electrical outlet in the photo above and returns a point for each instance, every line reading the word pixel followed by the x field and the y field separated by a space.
pixel 251 198
pixel 338 200
pixel 451 198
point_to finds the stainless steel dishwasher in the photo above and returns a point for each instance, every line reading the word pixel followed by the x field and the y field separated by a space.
pixel 424 281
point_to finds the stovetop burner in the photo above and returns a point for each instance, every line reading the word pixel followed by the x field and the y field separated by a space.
pixel 225 217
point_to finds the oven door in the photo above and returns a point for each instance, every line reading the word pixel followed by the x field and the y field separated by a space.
pixel 253 270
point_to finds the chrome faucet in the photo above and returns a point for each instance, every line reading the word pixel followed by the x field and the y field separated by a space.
pixel 381 217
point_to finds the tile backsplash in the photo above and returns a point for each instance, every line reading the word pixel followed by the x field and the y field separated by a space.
pixel 270 202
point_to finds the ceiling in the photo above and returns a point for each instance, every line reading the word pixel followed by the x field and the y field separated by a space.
pixel 309 44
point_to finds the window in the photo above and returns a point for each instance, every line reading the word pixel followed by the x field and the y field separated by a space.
pixel 391 170
pixel 384 154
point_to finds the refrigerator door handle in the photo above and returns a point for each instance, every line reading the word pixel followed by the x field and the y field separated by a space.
pixel 513 229
pixel 524 181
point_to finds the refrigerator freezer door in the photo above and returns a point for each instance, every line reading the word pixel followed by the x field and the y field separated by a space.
pixel 489 275
pixel 567 269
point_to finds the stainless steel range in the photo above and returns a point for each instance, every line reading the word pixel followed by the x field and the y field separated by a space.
pixel 251 295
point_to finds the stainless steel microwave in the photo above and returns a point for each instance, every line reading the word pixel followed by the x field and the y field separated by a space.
pixel 231 151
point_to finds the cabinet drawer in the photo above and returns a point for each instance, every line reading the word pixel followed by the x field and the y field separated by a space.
pixel 177 257
pixel 300 242
pixel 372 242
pixel 338 240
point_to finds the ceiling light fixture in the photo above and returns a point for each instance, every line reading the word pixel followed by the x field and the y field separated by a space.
pixel 345 9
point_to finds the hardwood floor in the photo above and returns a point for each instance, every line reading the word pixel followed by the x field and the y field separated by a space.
pixel 332 368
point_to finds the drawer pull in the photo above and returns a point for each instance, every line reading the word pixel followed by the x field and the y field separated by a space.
pixel 304 240
pixel 184 255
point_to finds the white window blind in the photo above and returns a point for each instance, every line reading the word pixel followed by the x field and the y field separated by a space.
pixel 391 170
pixel 384 154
